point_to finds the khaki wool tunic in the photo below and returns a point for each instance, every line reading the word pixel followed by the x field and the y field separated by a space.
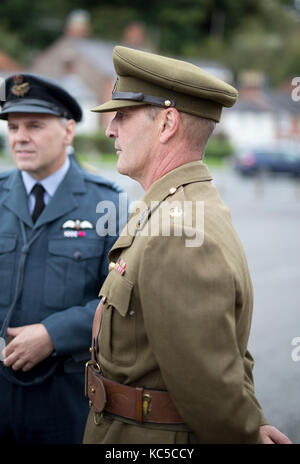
pixel 178 318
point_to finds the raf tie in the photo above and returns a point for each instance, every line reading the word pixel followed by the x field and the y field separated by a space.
pixel 38 191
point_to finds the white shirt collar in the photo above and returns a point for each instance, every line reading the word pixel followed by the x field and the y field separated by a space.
pixel 50 183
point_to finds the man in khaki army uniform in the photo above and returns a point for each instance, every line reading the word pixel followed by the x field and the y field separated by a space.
pixel 170 361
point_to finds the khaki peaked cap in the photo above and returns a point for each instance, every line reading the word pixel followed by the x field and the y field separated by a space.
pixel 146 78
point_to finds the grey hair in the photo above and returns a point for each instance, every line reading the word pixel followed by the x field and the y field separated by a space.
pixel 152 111
pixel 63 121
pixel 197 131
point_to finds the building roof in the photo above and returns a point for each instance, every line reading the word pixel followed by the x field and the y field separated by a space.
pixel 267 101
pixel 98 52
pixel 76 87
pixel 8 64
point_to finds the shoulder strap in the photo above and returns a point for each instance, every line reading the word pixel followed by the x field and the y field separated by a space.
pixel 96 329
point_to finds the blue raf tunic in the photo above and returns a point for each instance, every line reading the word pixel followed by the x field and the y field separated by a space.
pixel 61 278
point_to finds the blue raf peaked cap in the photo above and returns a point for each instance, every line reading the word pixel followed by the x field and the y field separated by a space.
pixel 30 93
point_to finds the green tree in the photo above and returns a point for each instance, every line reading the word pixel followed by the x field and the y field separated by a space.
pixel 248 33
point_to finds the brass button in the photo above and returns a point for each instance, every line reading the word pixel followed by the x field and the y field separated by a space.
pixel 167 103
pixel 172 190
pixel 175 212
pixel 93 390
pixel 104 299
pixel 111 265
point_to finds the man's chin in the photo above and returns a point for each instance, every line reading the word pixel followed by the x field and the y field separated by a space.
pixel 24 165
pixel 121 169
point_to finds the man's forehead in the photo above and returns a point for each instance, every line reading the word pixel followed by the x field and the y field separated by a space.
pixel 18 117
pixel 132 109
pixel 127 109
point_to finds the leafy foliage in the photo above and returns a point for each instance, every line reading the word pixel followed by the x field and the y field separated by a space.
pixel 241 34
pixel 96 143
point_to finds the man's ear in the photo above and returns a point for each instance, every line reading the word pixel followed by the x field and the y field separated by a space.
pixel 170 121
pixel 70 131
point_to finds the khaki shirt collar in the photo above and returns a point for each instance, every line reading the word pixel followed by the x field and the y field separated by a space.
pixel 188 173
pixel 167 185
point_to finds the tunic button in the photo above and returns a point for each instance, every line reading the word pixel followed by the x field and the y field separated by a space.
pixel 172 190
pixel 104 300
pixel 131 313
pixel 77 255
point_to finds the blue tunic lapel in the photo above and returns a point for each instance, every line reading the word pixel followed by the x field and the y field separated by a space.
pixel 16 199
pixel 63 201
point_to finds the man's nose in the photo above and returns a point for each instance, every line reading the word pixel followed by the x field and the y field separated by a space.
pixel 22 135
pixel 111 130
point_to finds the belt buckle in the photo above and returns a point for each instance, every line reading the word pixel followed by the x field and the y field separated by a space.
pixel 146 405
pixel 98 416
pixel 87 365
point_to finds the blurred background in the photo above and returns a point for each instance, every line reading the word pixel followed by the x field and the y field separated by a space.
pixel 254 154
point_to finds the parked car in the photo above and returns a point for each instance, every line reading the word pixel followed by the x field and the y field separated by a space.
pixel 256 161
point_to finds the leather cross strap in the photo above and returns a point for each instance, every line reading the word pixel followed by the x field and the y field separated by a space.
pixel 95 330
pixel 136 403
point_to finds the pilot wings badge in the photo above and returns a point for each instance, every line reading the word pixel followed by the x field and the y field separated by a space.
pixel 74 228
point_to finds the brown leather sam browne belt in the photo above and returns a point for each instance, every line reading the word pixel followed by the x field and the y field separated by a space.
pixel 141 405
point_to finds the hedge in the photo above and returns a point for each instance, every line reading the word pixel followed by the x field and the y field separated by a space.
pixel 218 146
pixel 93 143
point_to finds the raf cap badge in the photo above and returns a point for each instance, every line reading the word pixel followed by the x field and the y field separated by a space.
pixel 75 227
pixel 20 88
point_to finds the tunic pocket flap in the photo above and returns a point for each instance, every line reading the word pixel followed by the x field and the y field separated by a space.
pixel 7 243
pixel 77 249
pixel 117 292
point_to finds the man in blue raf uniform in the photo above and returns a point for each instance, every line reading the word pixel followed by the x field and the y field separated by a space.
pixel 52 265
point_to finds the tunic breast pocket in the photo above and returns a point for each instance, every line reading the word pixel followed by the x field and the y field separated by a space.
pixel 7 264
pixel 73 266
pixel 117 338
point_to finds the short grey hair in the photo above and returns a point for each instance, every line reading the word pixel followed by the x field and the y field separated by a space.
pixel 197 131
pixel 63 121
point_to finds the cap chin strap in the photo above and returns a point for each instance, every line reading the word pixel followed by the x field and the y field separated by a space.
pixel 140 97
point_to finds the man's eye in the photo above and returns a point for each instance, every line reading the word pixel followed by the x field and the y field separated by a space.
pixel 120 115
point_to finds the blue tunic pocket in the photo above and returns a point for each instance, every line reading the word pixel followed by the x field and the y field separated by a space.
pixel 73 267
pixel 7 264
